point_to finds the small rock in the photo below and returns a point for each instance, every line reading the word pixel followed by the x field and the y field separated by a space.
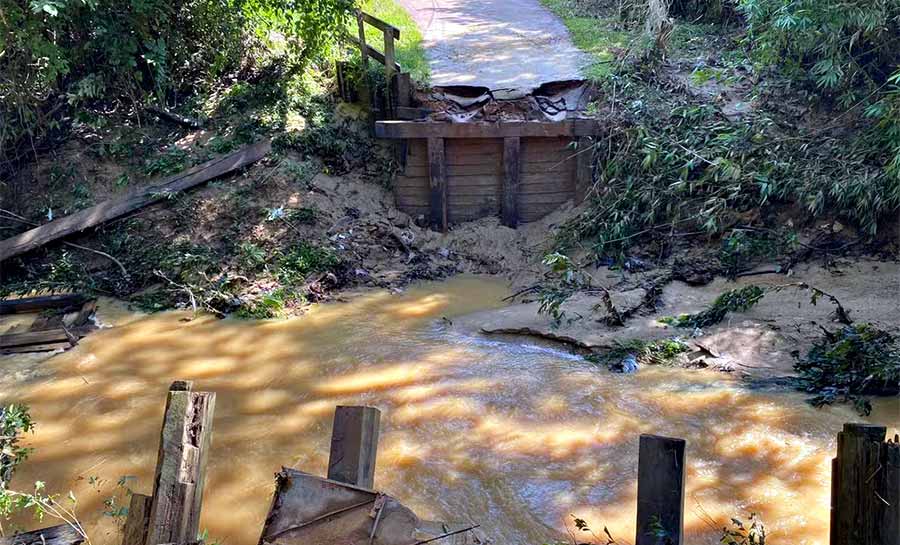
pixel 444 252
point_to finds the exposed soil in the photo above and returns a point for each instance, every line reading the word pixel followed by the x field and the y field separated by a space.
pixel 761 343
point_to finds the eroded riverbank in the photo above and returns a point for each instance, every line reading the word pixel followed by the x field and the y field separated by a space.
pixel 514 435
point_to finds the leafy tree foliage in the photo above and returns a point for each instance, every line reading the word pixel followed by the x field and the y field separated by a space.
pixel 63 53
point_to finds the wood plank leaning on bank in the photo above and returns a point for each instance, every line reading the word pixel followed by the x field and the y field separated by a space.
pixel 132 200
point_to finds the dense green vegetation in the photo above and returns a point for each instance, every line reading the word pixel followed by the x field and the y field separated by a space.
pixel 816 87
pixel 850 363
pixel 63 59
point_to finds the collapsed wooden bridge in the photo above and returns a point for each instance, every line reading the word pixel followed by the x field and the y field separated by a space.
pixel 345 509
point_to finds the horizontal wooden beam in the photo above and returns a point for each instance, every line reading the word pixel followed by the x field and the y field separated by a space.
pixel 381 25
pixel 64 534
pixel 374 53
pixel 42 302
pixel 71 335
pixel 439 129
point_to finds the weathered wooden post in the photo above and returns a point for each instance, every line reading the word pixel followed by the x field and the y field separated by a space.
pixel 660 501
pixel 512 175
pixel 865 487
pixel 181 466
pixel 437 172
pixel 354 445
pixel 138 522
pixel 364 87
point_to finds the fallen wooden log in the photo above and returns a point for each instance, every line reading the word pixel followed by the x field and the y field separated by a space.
pixel 133 200
pixel 43 302
pixel 63 534
pixel 36 338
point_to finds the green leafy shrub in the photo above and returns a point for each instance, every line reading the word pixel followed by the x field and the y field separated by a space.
pixel 303 260
pixel 841 45
pixel 737 300
pixel 855 361
pixel 59 54
pixel 14 421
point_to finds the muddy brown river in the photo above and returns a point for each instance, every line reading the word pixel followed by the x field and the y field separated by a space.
pixel 510 434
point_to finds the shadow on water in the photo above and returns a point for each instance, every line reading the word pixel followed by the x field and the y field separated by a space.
pixel 514 436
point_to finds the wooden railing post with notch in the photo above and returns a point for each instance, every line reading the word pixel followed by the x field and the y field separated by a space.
pixel 181 466
pixel 354 445
pixel 865 487
pixel 660 501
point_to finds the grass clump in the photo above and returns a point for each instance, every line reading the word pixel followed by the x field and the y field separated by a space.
pixel 659 352
pixel 303 260
pixel 271 305
pixel 736 300
pixel 855 361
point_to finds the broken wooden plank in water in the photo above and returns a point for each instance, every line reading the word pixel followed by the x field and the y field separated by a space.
pixel 660 499
pixel 138 522
pixel 132 200
pixel 181 466
pixel 73 318
pixel 34 338
pixel 64 534
pixel 311 510
pixel 42 302
pixel 354 445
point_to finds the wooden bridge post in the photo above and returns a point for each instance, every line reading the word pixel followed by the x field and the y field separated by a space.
pixel 584 168
pixel 181 466
pixel 865 487
pixel 437 173
pixel 660 501
pixel 354 445
pixel 512 175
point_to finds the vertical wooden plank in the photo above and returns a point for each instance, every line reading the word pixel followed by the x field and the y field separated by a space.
pixel 888 487
pixel 437 173
pixel 364 91
pixel 181 466
pixel 354 445
pixel 512 176
pixel 584 170
pixel 660 502
pixel 403 89
pixel 138 522
pixel 390 59
pixel 858 510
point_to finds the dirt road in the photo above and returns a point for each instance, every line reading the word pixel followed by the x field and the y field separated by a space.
pixel 495 43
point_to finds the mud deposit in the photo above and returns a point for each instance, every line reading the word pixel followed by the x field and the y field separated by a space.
pixel 514 435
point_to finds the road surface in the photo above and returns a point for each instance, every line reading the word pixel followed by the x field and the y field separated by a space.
pixel 497 44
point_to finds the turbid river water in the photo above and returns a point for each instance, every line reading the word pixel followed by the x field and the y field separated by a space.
pixel 512 435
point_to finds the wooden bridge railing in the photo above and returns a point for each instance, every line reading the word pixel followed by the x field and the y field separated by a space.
pixel 398 87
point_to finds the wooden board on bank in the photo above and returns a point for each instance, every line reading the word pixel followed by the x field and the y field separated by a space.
pixel 133 200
